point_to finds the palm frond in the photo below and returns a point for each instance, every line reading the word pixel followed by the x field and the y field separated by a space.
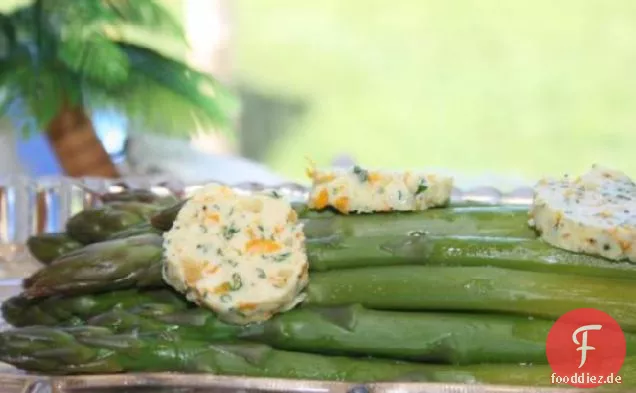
pixel 7 36
pixel 32 32
pixel 215 104
pixel 33 102
pixel 59 53
pixel 151 107
pixel 94 56
pixel 147 14
pixel 9 97
pixel 84 31
pixel 12 68
pixel 33 93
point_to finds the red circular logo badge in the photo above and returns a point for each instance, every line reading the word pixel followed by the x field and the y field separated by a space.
pixel 586 348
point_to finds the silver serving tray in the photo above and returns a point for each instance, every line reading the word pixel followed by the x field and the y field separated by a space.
pixel 29 206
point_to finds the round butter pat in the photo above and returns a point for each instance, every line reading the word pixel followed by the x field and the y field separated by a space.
pixel 242 256
pixel 593 214
pixel 359 190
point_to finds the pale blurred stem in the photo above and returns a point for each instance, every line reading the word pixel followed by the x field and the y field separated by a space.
pixel 76 145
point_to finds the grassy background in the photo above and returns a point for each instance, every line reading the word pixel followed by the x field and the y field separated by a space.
pixel 522 88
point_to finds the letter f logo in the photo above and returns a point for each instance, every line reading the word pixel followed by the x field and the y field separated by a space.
pixel 570 341
pixel 583 344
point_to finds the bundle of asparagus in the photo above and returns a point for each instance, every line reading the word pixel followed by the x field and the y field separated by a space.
pixel 122 214
pixel 473 236
pixel 92 349
pixel 438 337
pixel 465 293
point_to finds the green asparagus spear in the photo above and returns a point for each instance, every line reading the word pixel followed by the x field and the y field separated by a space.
pixel 453 338
pixel 468 219
pixel 97 224
pixel 474 289
pixel 511 253
pixel 49 246
pixel 508 221
pixel 446 338
pixel 139 195
pixel 349 330
pixel 454 251
pixel 139 229
pixel 91 349
pixel 58 310
pixel 443 338
pixel 114 264
pixel 402 288
pixel 155 318
pixel 163 219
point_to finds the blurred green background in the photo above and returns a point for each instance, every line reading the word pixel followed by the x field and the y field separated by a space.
pixel 520 88
pixel 516 87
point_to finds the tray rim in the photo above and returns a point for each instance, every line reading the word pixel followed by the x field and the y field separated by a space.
pixel 166 380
